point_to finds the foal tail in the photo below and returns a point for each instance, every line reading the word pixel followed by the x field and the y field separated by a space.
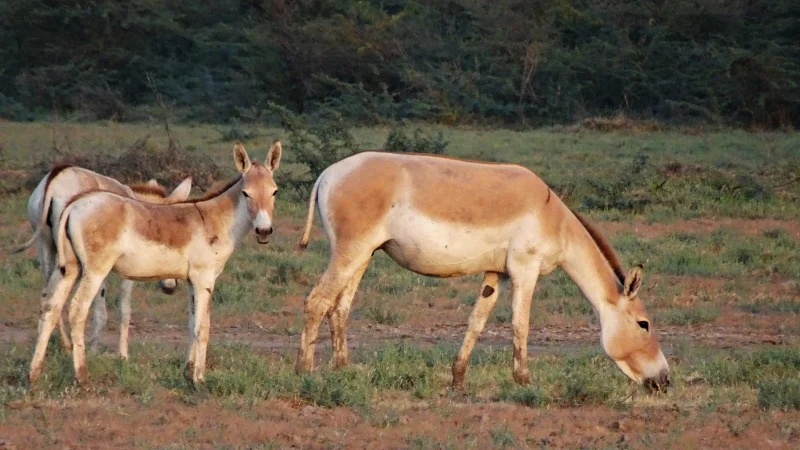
pixel 303 243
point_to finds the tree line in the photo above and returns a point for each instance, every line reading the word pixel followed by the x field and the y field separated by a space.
pixel 451 61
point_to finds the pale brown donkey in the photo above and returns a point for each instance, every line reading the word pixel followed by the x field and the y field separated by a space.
pixel 45 206
pixel 190 240
pixel 446 217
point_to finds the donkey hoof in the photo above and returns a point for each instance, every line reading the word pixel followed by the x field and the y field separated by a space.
pixel 522 378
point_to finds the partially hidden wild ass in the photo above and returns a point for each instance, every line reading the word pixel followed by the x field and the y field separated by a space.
pixel 192 240
pixel 45 207
pixel 447 217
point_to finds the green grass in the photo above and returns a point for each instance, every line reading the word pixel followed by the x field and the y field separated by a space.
pixel 565 380
pixel 693 315
pixel 766 306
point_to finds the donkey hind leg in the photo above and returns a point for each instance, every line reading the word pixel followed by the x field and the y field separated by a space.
pixel 60 286
pixel 99 317
pixel 199 329
pixel 337 316
pixel 477 320
pixel 126 289
pixel 523 286
pixel 319 302
pixel 88 285
pixel 47 258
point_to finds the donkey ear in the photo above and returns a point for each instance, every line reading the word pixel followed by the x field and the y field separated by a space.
pixel 152 182
pixel 183 190
pixel 240 157
pixel 274 156
pixel 633 281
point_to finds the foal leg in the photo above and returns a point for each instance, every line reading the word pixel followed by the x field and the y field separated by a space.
pixel 523 285
pixel 338 318
pixel 99 317
pixel 88 286
pixel 336 277
pixel 47 256
pixel 199 328
pixel 477 320
pixel 126 289
pixel 60 286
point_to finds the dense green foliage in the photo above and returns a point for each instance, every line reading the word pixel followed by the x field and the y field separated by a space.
pixel 451 61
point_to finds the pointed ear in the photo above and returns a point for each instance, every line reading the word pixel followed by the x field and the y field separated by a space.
pixel 240 157
pixel 274 156
pixel 183 190
pixel 152 182
pixel 633 281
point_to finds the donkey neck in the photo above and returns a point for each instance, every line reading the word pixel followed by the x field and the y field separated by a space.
pixel 585 263
pixel 230 211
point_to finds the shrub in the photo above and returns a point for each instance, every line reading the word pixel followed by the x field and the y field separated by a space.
pixel 419 142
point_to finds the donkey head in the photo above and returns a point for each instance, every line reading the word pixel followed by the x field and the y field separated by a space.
pixel 628 337
pixel 259 188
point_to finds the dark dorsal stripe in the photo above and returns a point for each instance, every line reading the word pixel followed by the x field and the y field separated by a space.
pixel 604 246
pixel 144 189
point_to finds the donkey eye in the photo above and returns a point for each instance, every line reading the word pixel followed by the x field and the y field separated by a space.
pixel 275 193
pixel 644 324
pixel 246 195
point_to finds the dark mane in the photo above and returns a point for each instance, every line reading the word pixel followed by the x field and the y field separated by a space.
pixel 149 189
pixel 212 193
pixel 604 246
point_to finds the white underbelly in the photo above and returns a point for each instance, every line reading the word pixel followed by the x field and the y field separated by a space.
pixel 442 249
pixel 149 260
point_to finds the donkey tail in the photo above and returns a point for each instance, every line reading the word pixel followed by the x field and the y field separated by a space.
pixel 303 243
pixel 48 199
pixel 61 240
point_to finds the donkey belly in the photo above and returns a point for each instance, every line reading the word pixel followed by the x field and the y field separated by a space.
pixel 443 249
pixel 152 261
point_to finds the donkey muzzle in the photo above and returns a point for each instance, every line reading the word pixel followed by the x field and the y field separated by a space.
pixel 658 383
pixel 263 234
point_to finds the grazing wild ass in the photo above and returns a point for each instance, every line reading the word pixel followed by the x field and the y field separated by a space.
pixel 191 240
pixel 45 207
pixel 447 217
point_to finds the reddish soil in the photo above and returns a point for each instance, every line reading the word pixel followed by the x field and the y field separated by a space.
pixel 119 421
pixel 122 422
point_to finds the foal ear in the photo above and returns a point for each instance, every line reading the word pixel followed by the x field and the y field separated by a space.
pixel 240 157
pixel 183 190
pixel 274 156
pixel 633 281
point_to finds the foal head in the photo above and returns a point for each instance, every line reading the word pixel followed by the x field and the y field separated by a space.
pixel 259 188
pixel 628 337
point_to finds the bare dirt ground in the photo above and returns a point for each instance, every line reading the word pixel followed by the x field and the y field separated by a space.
pixel 118 421
pixel 121 422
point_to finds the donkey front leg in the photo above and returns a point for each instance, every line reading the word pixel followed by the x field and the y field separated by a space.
pixel 199 329
pixel 477 320
pixel 99 317
pixel 60 287
pixel 88 285
pixel 126 289
pixel 523 287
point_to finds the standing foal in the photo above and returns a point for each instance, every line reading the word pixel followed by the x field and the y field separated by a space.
pixel 446 217
pixel 45 207
pixel 192 240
